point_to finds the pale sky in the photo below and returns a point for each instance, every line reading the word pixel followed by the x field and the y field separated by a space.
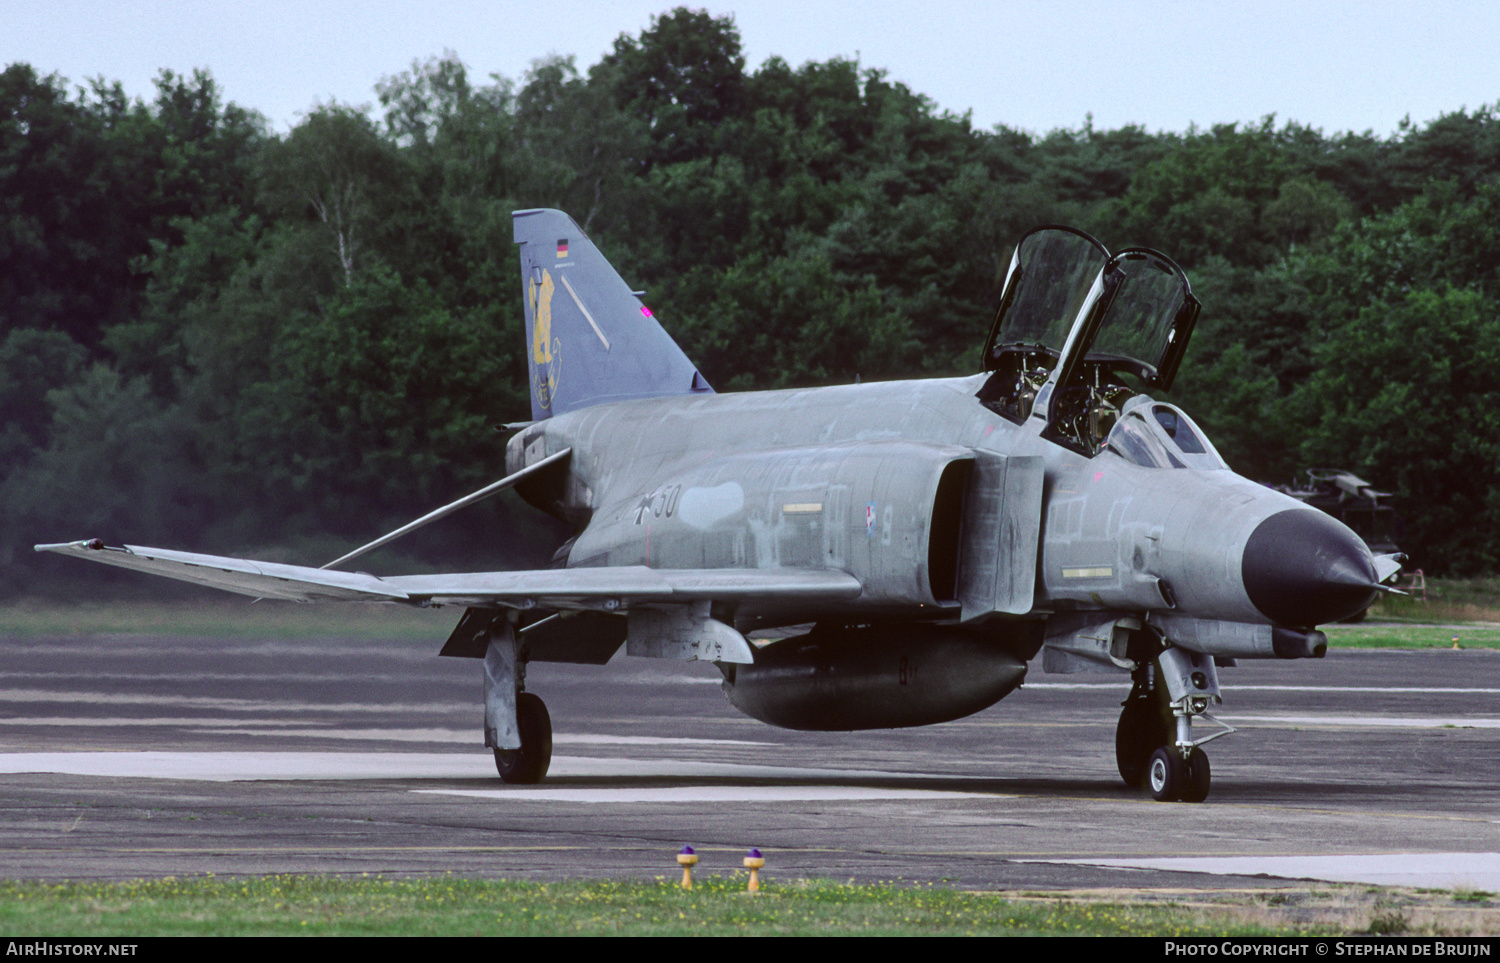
pixel 1032 65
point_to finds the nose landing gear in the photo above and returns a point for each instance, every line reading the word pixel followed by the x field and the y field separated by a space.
pixel 1154 741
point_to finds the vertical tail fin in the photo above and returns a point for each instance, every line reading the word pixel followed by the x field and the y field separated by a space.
pixel 589 339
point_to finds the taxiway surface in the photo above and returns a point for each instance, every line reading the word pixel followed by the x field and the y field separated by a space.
pixel 126 756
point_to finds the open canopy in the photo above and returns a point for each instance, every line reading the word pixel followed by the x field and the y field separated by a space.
pixel 1073 320
pixel 1145 313
pixel 1132 311
pixel 1051 273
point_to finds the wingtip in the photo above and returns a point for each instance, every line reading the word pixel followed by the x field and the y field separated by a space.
pixel 90 544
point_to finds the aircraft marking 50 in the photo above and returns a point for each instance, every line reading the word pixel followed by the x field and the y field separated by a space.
pixel 930 538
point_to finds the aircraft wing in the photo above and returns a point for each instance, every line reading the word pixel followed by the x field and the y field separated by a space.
pixel 596 589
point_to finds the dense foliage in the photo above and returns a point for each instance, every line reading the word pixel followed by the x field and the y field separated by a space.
pixel 219 338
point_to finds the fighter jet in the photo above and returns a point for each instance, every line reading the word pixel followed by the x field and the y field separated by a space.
pixel 909 548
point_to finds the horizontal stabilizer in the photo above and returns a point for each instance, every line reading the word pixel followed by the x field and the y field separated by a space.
pixel 596 589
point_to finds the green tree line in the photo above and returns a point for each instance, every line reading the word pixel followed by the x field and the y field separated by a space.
pixel 220 338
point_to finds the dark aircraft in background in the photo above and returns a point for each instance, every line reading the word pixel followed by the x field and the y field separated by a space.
pixel 1357 504
pixel 915 544
pixel 1353 501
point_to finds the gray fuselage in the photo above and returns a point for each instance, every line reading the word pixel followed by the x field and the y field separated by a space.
pixel 851 478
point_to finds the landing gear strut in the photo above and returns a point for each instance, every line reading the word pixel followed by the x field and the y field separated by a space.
pixel 1154 741
pixel 516 722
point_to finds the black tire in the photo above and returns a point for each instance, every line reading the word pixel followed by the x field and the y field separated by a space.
pixel 1164 774
pixel 529 763
pixel 1139 731
pixel 1196 777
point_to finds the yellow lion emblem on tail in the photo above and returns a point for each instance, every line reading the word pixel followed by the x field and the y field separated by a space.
pixel 545 360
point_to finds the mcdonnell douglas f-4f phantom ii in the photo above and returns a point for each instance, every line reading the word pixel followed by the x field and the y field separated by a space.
pixel 935 535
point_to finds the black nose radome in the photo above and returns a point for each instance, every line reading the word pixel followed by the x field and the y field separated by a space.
pixel 1303 568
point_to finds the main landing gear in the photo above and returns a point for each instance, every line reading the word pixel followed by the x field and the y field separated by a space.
pixel 1154 742
pixel 516 722
pixel 529 763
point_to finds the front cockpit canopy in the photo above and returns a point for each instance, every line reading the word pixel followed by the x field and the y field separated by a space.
pixel 1051 273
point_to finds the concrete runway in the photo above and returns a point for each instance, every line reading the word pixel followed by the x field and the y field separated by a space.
pixel 127 756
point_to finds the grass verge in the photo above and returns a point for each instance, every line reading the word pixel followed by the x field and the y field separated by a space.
pixel 718 905
pixel 1443 600
pixel 1400 635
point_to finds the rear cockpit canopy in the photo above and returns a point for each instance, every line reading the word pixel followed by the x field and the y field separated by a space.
pixel 1145 324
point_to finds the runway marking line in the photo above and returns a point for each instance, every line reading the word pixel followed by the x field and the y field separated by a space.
pixel 1441 869
pixel 657 795
pixel 1362 816
pixel 1144 801
pixel 1370 722
pixel 1253 687
pixel 312 849
pixel 389 766
pixel 663 847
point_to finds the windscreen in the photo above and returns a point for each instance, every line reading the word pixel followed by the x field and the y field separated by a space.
pixel 1133 440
